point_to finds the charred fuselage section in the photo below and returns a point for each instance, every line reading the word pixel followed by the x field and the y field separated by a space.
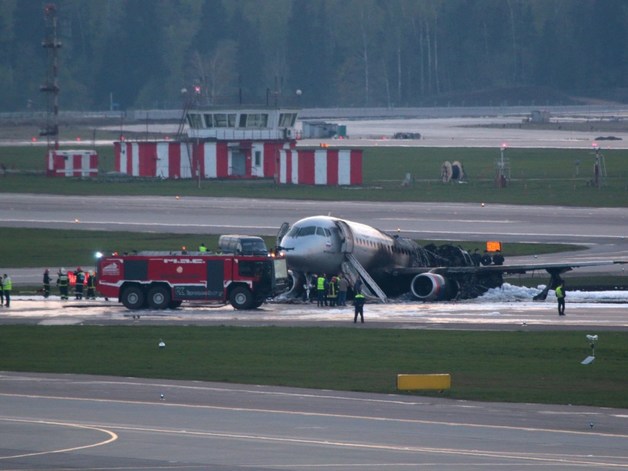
pixel 324 245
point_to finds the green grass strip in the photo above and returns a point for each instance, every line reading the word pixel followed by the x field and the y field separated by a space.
pixel 538 367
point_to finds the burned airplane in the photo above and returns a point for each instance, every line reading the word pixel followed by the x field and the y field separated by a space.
pixel 390 265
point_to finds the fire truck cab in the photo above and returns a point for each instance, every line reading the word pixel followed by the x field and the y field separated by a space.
pixel 162 280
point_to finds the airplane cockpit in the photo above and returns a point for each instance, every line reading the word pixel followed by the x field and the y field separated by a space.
pixel 305 231
pixel 313 245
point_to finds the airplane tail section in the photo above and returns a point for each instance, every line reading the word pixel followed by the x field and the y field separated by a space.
pixel 352 270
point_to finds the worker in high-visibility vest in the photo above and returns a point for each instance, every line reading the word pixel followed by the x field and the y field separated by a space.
pixel 7 286
pixel 202 248
pixel 560 297
pixel 358 306
pixel 321 290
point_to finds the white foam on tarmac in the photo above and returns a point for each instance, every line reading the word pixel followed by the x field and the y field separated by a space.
pixel 508 305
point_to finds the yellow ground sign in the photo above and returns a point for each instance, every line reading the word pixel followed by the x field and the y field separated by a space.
pixel 407 382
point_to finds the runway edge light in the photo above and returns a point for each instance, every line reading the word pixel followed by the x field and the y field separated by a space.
pixel 410 382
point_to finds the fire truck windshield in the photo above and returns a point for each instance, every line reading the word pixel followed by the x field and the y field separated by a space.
pixel 254 247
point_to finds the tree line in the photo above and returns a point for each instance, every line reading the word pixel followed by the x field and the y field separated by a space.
pixel 125 54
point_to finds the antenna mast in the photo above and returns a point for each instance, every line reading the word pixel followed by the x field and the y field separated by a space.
pixel 51 85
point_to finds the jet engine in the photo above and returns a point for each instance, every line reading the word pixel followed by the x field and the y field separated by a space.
pixel 433 287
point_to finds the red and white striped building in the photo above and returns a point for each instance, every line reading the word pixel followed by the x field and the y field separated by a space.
pixel 320 166
pixel 212 159
pixel 72 163
pixel 249 143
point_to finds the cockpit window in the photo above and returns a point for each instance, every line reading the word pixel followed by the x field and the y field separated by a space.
pixel 306 231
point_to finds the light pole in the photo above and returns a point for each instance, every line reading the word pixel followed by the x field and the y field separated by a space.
pixel 501 167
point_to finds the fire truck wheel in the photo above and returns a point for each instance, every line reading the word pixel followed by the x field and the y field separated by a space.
pixel 158 297
pixel 133 297
pixel 241 298
pixel 257 304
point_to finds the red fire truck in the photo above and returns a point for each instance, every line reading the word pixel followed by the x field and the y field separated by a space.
pixel 161 280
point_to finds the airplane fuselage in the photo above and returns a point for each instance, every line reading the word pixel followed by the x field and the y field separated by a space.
pixel 319 244
pixel 327 245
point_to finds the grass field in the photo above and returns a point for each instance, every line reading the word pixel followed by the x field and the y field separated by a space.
pixel 541 367
pixel 538 176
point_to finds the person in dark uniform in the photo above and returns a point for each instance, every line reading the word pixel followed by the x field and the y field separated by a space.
pixel 358 307
pixel 46 283
pixel 560 297
pixel 62 282
pixel 476 257
pixel 91 286
pixel 80 282
pixel 332 292
pixel 7 286
pixel 498 258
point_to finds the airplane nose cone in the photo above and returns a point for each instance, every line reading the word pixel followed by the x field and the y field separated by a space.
pixel 311 256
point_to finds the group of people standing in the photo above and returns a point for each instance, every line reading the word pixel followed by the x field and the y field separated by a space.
pixel 332 291
pixel 82 280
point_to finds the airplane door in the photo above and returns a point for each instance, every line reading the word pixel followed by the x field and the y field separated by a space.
pixel 347 237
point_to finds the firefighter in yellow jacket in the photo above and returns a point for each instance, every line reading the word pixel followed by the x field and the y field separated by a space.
pixel 7 286
pixel 560 297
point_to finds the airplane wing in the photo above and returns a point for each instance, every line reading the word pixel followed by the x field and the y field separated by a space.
pixel 471 281
pixel 506 269
pixel 524 268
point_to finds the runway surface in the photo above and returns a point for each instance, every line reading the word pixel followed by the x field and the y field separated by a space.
pixel 63 422
pixel 200 215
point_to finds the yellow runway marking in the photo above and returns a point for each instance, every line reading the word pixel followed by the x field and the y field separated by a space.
pixel 112 437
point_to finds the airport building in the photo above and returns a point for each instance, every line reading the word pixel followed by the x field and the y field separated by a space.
pixel 72 163
pixel 247 143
